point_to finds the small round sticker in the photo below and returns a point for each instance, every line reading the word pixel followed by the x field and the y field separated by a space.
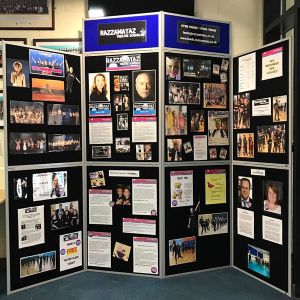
pixel 153 212
pixel 62 252
pixel 154 270
pixel 111 203
pixel 78 242
pixel 174 202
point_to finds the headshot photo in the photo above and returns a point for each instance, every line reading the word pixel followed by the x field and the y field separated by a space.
pixel 273 196
pixel 173 71
pixel 99 87
pixel 245 192
pixel 144 83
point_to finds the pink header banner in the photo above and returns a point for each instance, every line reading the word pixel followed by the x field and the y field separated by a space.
pixel 272 52
pixel 145 221
pixel 100 120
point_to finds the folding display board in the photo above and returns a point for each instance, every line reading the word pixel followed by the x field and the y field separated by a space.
pixel 43 157
pixel 262 135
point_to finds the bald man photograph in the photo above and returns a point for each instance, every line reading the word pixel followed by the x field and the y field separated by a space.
pixel 144 85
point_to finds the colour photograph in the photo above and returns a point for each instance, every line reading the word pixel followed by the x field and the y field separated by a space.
pixel 241 111
pixel 121 251
pixel 218 123
pixel 63 142
pixel 182 251
pixel 144 85
pixel 122 194
pixel 143 152
pixel 259 261
pixel 176 119
pixel 121 83
pixel 17 73
pixel 121 102
pixel 64 215
pixel 280 108
pixel 63 114
pixel 23 112
pixel 211 224
pixel 197 120
pixel 97 179
pixel 271 139
pixel 273 196
pixel 174 149
pixel 48 90
pixel 20 188
pixel 173 68
pixel 245 145
pixel 184 92
pixel 197 68
pixel 27 143
pixel 99 87
pixel 215 95
pixel 38 263
pixel 245 189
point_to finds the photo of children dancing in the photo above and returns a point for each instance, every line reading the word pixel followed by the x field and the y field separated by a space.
pixel 210 224
pixel 182 251
pixel 271 139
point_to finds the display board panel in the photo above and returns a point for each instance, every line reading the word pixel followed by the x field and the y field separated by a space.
pixel 261 220
pixel 122 114
pixel 43 106
pixel 123 219
pixel 45 224
pixel 197 218
pixel 196 108
pixel 261 105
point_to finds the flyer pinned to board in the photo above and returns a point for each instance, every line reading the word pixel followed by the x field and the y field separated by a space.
pixel 272 63
pixel 215 186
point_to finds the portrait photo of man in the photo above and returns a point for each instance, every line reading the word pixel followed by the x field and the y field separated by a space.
pixel 144 85
pixel 245 192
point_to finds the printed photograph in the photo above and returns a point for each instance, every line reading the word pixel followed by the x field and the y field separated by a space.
pixel 223 153
pixel 121 83
pixel 99 109
pixel 20 188
pixel 97 179
pixel 67 45
pixel 211 224
pixel 173 68
pixel 197 68
pixel 218 122
pixel 213 153
pixel 50 185
pixel 174 149
pixel 121 251
pixel 17 73
pixel 121 102
pixel 259 261
pixel 63 114
pixel 27 143
pixel 245 190
pixel 23 112
pixel 48 90
pixel 273 196
pixel 123 145
pixel 223 77
pixel 38 263
pixel 46 63
pixel 144 83
pixel 122 194
pixel 197 120
pixel 225 64
pixel 71 77
pixel 19 7
pixel 64 215
pixel 100 152
pixel 216 69
pixel 184 92
pixel 182 251
pixel 187 148
pixel 122 121
pixel 245 145
pixel 271 139
pixel 215 95
pixel 99 87
pixel 280 108
pixel 143 152
pixel 241 111
pixel 63 142
pixel 176 119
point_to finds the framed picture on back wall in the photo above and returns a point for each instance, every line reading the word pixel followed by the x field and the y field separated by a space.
pixel 72 45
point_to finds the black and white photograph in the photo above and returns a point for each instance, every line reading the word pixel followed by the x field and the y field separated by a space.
pixel 144 85
pixel 215 95
pixel 143 152
pixel 173 68
pixel 20 188
pixel 100 152
pixel 280 108
pixel 184 92
pixel 65 214
pixel 122 122
pixel 63 114
pixel 121 102
pixel 225 64
pixel 213 153
pixel 241 111
pixel 218 122
pixel 123 145
pixel 211 224
pixel 187 147
pixel 216 69
pixel 63 142
pixel 196 68
pixel 23 112
pixel 121 83
pixel 271 139
pixel 223 153
pixel 27 143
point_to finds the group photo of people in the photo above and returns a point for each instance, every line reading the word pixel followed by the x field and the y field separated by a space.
pixel 197 120
pixel 121 102
pixel 27 143
pixel 22 112
pixel 210 224
pixel 64 215
pixel 143 152
pixel 241 111
pixel 182 251
pixel 62 114
pixel 259 261
pixel 271 139
pixel 215 95
pixel 122 195
pixel 16 7
pixel 184 92
pixel 176 119
pixel 123 145
pixel 63 142
pixel 245 145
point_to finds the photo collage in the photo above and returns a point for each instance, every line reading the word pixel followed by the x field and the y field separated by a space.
pixel 123 215
pixel 48 207
pixel 196 108
pixel 43 99
pixel 197 215
pixel 122 107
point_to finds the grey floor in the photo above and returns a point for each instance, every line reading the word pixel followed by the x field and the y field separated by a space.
pixel 222 284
